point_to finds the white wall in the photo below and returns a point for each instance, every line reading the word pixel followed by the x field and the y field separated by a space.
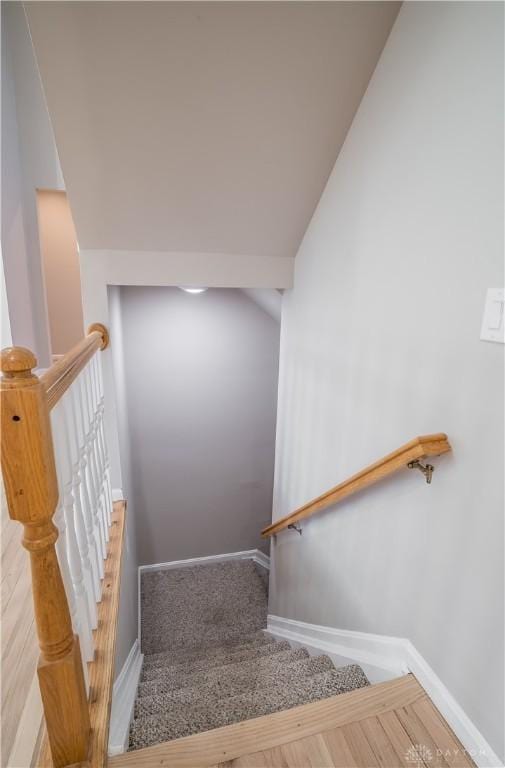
pixel 5 325
pixel 201 378
pixel 29 161
pixel 380 342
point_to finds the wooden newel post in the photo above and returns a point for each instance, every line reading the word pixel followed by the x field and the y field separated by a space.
pixel 32 493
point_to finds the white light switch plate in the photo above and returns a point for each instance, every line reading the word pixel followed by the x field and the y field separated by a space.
pixel 493 320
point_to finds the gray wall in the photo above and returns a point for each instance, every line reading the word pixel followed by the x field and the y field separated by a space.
pixel 29 161
pixel 201 377
pixel 380 342
pixel 128 606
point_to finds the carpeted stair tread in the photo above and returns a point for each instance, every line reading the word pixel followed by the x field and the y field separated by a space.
pixel 215 713
pixel 201 605
pixel 176 671
pixel 209 676
pixel 168 658
pixel 207 662
pixel 241 681
pixel 204 648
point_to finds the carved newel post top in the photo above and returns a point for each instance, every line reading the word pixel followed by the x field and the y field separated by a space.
pixel 17 361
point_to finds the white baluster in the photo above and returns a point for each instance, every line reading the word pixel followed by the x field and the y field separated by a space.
pixel 90 442
pixel 83 484
pixel 88 472
pixel 93 397
pixel 104 439
pixel 92 459
pixel 62 544
pixel 102 450
pixel 64 472
pixel 72 443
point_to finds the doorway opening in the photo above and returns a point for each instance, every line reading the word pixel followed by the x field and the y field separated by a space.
pixel 60 268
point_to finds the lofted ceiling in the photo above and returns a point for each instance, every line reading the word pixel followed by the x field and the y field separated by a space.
pixel 202 126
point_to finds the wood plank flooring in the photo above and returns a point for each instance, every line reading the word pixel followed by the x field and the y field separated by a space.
pixel 21 704
pixel 388 725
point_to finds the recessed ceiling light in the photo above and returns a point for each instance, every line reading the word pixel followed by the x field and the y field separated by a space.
pixel 193 290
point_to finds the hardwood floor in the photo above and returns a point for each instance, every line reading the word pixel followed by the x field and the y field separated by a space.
pixel 391 740
pixel 21 703
pixel 388 725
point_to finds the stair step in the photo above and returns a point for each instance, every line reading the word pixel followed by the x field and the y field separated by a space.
pixel 179 671
pixel 233 685
pixel 180 656
pixel 201 604
pixel 204 677
pixel 177 722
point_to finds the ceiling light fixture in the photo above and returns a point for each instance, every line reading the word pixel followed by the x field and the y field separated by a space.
pixel 193 290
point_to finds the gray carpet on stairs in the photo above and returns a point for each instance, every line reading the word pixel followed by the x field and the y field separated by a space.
pixel 206 605
pixel 207 662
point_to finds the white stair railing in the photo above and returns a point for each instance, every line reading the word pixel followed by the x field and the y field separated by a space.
pixel 84 512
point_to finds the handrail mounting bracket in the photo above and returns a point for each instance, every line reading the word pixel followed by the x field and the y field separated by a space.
pixel 426 469
pixel 294 527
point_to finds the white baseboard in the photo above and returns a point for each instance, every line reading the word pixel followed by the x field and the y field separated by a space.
pixel 382 658
pixel 247 554
pixel 466 731
pixel 260 558
pixel 123 701
pixel 117 494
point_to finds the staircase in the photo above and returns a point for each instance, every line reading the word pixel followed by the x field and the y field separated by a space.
pixel 207 661
pixel 216 690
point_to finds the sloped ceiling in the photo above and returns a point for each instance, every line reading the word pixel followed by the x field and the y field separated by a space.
pixel 202 127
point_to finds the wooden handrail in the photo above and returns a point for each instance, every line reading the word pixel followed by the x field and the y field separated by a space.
pixel 57 379
pixel 418 448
